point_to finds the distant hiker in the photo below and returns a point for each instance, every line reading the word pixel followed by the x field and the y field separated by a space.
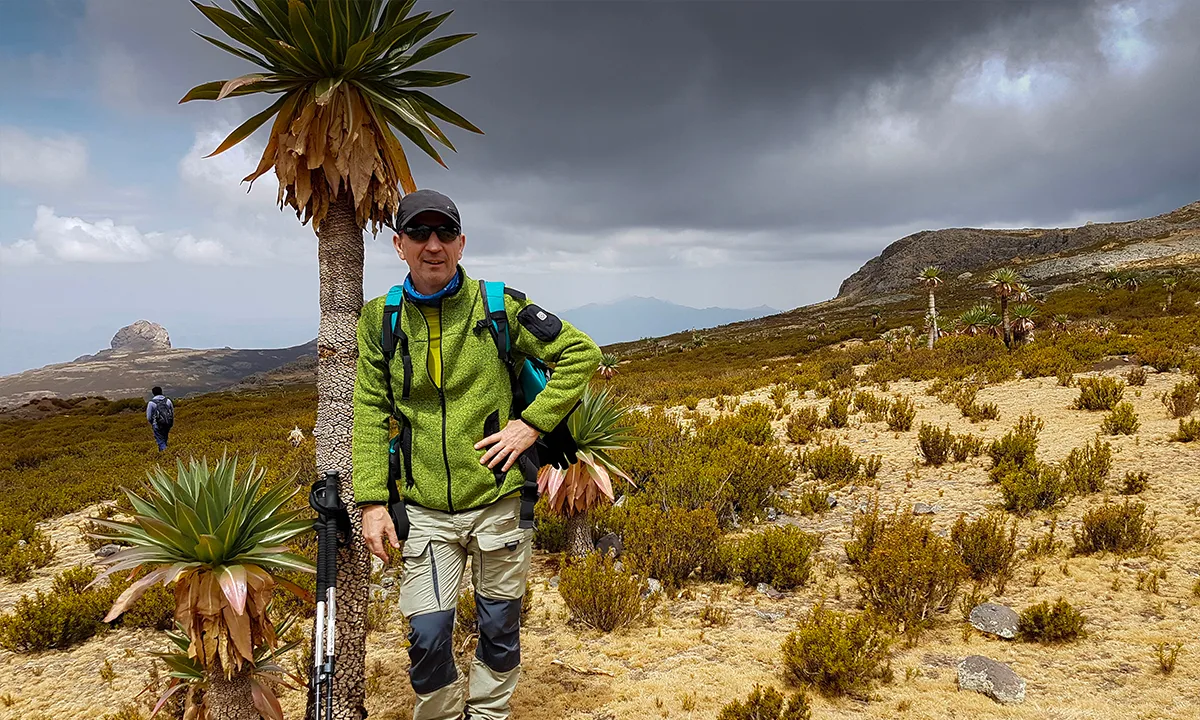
pixel 460 477
pixel 160 412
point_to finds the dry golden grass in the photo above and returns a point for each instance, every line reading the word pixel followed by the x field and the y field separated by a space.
pixel 676 663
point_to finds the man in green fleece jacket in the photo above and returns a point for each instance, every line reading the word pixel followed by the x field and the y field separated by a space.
pixel 454 477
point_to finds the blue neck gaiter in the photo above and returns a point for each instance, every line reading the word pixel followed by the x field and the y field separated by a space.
pixel 435 298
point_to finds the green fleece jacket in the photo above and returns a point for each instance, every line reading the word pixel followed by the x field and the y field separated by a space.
pixel 436 461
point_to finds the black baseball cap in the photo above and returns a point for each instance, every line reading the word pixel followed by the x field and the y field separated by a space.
pixel 415 203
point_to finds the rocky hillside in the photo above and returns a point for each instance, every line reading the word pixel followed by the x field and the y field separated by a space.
pixel 1059 251
pixel 141 357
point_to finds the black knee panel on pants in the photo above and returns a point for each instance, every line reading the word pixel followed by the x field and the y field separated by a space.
pixel 431 651
pixel 499 633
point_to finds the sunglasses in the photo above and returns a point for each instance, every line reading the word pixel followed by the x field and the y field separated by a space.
pixel 421 233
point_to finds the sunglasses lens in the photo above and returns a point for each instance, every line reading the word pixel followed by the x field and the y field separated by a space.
pixel 420 233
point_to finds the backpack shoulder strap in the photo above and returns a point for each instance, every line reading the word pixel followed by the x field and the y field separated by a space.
pixel 393 334
pixel 493 305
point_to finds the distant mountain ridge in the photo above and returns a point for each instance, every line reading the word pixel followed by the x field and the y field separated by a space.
pixel 634 318
pixel 959 250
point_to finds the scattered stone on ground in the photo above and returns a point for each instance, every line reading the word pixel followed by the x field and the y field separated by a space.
pixel 769 591
pixel 611 541
pixel 925 509
pixel 994 679
pixel 995 619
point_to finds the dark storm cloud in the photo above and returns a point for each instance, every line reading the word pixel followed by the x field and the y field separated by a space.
pixel 785 123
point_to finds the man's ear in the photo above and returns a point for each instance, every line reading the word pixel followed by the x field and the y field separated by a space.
pixel 399 246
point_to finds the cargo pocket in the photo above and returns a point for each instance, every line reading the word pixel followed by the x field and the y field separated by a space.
pixel 419 589
pixel 503 562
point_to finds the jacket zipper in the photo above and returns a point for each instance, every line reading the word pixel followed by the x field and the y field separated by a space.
pixel 442 396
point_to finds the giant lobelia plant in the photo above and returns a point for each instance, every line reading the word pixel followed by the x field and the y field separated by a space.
pixel 218 536
pixel 348 78
pixel 597 425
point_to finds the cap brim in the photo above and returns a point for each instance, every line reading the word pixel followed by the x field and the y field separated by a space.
pixel 402 221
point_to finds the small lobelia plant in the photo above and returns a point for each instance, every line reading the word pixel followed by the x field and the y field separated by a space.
pixel 598 427
pixel 212 533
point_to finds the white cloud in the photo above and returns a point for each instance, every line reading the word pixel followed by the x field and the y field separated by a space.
pixel 29 160
pixel 219 178
pixel 75 240
pixel 203 252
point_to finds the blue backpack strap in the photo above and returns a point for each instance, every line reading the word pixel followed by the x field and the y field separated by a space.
pixel 493 303
pixel 394 334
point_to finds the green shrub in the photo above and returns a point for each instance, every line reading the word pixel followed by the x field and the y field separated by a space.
pixel 865 529
pixel 722 564
pixel 837 415
pixel 935 444
pixel 871 405
pixel 1099 393
pixel 1017 448
pixel 1116 528
pixel 1136 377
pixel 1065 376
pixel 988 551
pixel 813 499
pixel 910 573
pixel 871 466
pixel 974 410
pixel 838 653
pixel 1135 483
pixel 24 550
pixel 1121 421
pixel 708 468
pixel 833 464
pixel 767 704
pixel 1189 431
pixel 669 545
pixel 550 528
pixel 1035 486
pixel 1086 469
pixel 751 423
pixel 602 597
pixel 780 556
pixel 803 426
pixel 900 414
pixel 1181 402
pixel 60 619
pixel 1048 623
pixel 966 446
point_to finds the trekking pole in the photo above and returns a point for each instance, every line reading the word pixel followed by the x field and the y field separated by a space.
pixel 331 515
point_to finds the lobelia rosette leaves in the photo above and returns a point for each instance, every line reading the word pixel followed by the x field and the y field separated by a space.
pixel 217 535
pixel 344 73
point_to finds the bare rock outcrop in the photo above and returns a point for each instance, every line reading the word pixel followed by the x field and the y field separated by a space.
pixel 142 336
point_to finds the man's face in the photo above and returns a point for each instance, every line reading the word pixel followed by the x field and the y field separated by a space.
pixel 432 259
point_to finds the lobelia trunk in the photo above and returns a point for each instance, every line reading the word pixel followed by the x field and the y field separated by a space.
pixel 340 254
pixel 229 699
pixel 1007 324
pixel 579 536
pixel 933 328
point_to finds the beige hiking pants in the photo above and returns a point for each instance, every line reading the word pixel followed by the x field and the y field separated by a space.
pixel 435 557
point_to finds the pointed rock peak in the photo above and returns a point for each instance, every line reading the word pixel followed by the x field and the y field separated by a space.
pixel 141 336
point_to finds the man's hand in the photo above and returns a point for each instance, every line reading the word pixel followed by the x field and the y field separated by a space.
pixel 377 528
pixel 508 444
